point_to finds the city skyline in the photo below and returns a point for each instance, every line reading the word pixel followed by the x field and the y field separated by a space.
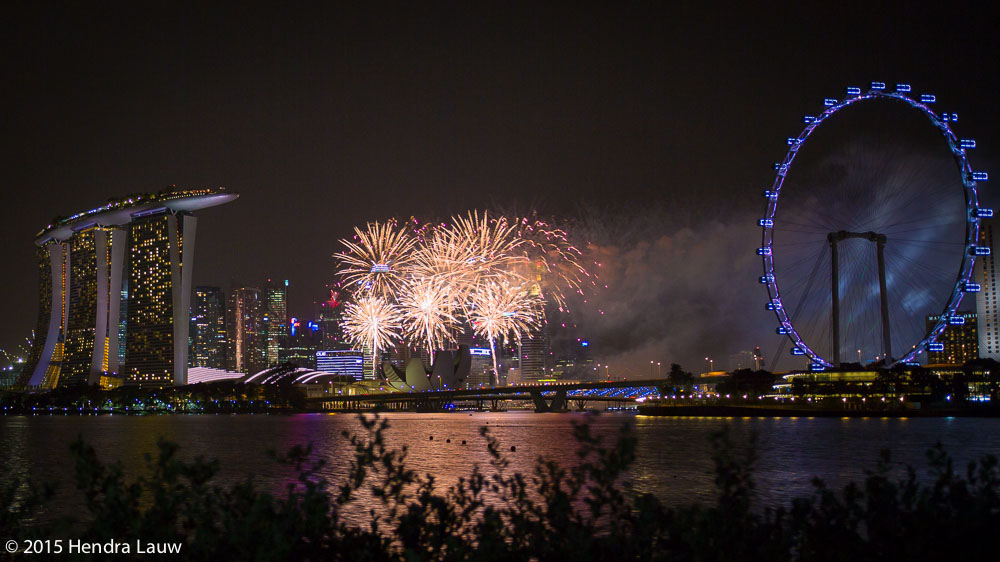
pixel 652 134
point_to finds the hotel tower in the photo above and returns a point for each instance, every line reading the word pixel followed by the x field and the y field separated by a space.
pixel 115 291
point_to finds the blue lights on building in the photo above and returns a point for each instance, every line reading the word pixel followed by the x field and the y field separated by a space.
pixel 349 362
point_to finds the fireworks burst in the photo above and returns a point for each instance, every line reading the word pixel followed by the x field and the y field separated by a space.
pixel 378 258
pixel 427 313
pixel 426 280
pixel 550 260
pixel 502 310
pixel 372 322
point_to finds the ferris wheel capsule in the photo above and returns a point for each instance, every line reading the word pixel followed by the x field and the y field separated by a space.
pixel 878 85
pixel 967 143
pixel 903 88
pixel 830 102
pixel 972 287
pixel 927 98
pixel 853 91
pixel 980 176
pixel 935 347
pixel 765 222
pixel 984 213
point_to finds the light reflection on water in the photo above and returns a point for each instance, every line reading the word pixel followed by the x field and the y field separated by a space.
pixel 673 456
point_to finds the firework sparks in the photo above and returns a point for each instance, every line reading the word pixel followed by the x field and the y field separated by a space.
pixel 378 258
pixel 372 322
pixel 500 309
pixel 549 259
pixel 426 307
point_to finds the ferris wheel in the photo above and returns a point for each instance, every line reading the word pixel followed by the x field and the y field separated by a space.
pixel 873 244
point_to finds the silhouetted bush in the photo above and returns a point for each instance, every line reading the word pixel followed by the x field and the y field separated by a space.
pixel 582 512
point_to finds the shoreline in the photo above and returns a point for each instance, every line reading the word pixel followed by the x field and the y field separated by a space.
pixel 782 412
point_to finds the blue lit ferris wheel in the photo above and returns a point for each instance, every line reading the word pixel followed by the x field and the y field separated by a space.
pixel 874 246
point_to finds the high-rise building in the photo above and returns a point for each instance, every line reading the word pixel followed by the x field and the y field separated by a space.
pixel 156 338
pixel 987 307
pixel 275 318
pixel 245 323
pixel 209 340
pixel 959 342
pixel 114 291
pixel 531 355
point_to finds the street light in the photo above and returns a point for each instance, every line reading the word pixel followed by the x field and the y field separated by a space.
pixel 711 364
pixel 859 356
pixel 650 368
pixel 657 369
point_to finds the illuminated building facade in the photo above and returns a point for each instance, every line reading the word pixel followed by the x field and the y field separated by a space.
pixel 245 322
pixel 209 341
pixel 275 318
pixel 347 362
pixel 987 307
pixel 114 286
pixel 959 341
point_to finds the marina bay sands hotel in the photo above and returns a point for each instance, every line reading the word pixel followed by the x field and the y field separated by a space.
pixel 115 290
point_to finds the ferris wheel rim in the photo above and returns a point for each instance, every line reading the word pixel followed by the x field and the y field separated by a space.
pixel 958 149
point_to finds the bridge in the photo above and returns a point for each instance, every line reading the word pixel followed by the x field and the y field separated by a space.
pixel 546 397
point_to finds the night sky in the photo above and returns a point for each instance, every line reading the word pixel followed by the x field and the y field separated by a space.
pixel 652 128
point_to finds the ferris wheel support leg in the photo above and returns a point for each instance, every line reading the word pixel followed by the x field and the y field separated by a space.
pixel 835 292
pixel 884 293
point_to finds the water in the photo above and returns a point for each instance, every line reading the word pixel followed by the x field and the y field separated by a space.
pixel 673 456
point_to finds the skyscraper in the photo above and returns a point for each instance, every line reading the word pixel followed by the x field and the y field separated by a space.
pixel 960 342
pixel 209 340
pixel 114 286
pixel 245 322
pixel 275 318
pixel 987 307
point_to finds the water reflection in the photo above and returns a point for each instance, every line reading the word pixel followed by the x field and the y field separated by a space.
pixel 673 456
